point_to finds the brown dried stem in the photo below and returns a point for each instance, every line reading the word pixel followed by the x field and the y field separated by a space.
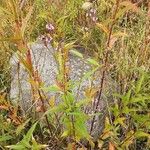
pixel 105 62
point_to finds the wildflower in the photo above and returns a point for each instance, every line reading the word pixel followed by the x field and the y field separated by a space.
pixel 46 39
pixel 93 11
pixel 92 14
pixel 49 27
pixel 94 19
pixel 87 5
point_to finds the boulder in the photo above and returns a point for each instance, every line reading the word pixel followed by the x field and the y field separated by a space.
pixel 46 65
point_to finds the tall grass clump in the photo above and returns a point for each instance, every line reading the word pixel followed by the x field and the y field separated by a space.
pixel 115 34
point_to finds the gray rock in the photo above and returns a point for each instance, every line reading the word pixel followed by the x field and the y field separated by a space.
pixel 43 61
pixel 46 65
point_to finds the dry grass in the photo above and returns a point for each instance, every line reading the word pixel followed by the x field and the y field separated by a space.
pixel 116 33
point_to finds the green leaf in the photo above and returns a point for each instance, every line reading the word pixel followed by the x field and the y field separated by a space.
pixel 120 121
pixel 139 83
pixel 92 61
pixel 115 110
pixel 138 99
pixel 128 110
pixel 5 138
pixel 52 88
pixel 69 45
pixel 25 143
pixel 37 146
pixel 141 118
pixel 21 127
pixel 80 128
pixel 139 134
pixel 89 74
pixel 17 147
pixel 128 95
pixel 126 98
pixel 70 98
pixel 43 15
pixel 83 102
pixel 65 133
pixel 76 53
pixel 61 19
pixel 55 109
pixel 29 133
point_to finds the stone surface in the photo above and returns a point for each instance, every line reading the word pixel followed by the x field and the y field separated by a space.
pixel 46 65
pixel 43 61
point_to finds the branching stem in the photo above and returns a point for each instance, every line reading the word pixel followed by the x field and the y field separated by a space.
pixel 105 62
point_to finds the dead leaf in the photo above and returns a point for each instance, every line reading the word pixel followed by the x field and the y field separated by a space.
pixel 111 146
